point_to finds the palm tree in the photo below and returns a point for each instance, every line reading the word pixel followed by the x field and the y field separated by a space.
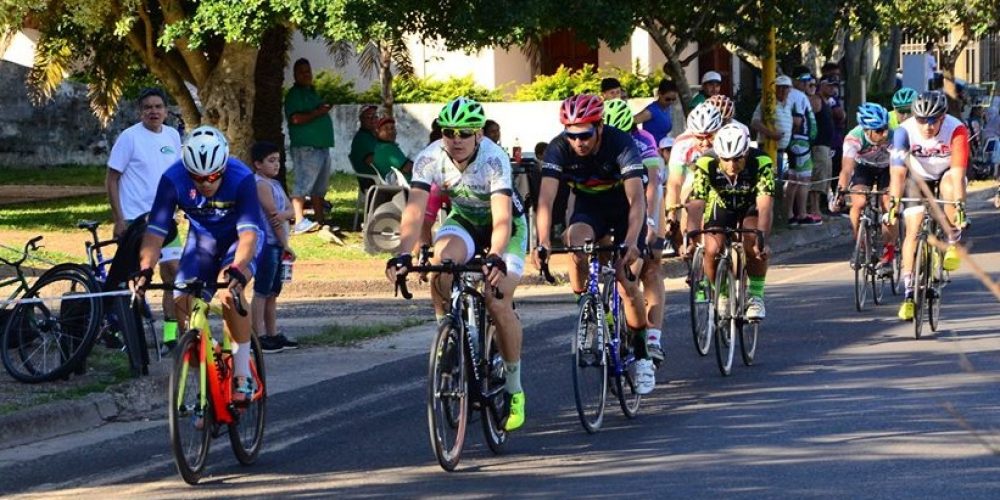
pixel 377 58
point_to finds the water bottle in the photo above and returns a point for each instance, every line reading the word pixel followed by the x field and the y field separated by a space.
pixel 286 267
pixel 517 150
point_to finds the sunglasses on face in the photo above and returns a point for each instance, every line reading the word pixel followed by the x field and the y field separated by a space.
pixel 931 120
pixel 905 111
pixel 703 137
pixel 205 179
pixel 579 136
pixel 462 133
pixel 880 130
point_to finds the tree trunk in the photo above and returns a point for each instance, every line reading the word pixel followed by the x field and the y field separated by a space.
pixel 672 67
pixel 854 76
pixel 888 61
pixel 385 76
pixel 227 96
pixel 269 80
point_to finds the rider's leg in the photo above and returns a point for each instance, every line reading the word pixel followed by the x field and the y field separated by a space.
pixel 454 244
pixel 653 292
pixel 509 329
pixel 858 202
pixel 756 265
pixel 577 234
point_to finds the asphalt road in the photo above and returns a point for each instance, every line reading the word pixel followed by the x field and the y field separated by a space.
pixel 841 403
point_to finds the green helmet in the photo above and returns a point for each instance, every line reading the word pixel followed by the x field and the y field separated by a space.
pixel 462 112
pixel 903 98
pixel 618 115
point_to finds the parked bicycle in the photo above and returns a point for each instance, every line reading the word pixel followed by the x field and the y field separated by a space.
pixel 200 393
pixel 466 371
pixel 929 275
pixel 602 347
pixel 731 282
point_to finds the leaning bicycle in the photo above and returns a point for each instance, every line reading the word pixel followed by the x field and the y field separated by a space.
pixel 465 371
pixel 603 350
pixel 200 402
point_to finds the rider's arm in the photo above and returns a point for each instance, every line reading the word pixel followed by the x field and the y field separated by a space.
pixel 897 162
pixel 765 194
pixel 960 158
pixel 850 149
pixel 501 208
pixel 547 191
pixel 699 193
pixel 636 209
pixel 675 181
pixel 653 201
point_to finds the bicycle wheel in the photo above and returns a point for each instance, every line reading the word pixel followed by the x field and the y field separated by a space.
pixel 590 364
pixel 874 272
pixel 447 396
pixel 47 340
pixel 133 336
pixel 496 408
pixel 747 329
pixel 625 384
pixel 725 328
pixel 190 411
pixel 246 435
pixel 920 279
pixel 699 295
pixel 147 324
pixel 897 262
pixel 862 256
pixel 934 286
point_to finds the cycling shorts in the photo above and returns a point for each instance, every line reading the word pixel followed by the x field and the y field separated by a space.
pixel 871 176
pixel 728 217
pixel 606 212
pixel 477 239
pixel 204 257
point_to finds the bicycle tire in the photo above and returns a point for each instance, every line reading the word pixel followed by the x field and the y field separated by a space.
pixel 496 408
pixel 897 262
pixel 748 329
pixel 861 259
pixel 725 328
pixel 701 332
pixel 590 364
pixel 875 272
pixel 447 387
pixel 922 264
pixel 628 398
pixel 935 285
pixel 246 434
pixel 189 444
pixel 49 340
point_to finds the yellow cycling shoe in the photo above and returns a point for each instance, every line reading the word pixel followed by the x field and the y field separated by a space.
pixel 951 259
pixel 906 310
pixel 516 418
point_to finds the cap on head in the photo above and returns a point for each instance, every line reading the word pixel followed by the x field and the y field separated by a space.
pixel 385 120
pixel 783 81
pixel 711 76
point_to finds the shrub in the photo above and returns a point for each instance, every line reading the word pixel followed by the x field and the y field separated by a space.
pixel 566 82
pixel 332 88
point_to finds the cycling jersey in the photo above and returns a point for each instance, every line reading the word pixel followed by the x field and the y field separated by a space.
pixel 487 173
pixel 615 160
pixel 646 145
pixel 864 152
pixel 734 194
pixel 685 152
pixel 934 156
pixel 232 210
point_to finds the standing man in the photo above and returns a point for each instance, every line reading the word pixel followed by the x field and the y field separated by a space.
pixel 930 66
pixel 311 131
pixel 139 157
pixel 711 84
pixel 655 118
pixel 822 149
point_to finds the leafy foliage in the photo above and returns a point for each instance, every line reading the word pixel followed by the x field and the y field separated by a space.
pixel 566 82
pixel 335 90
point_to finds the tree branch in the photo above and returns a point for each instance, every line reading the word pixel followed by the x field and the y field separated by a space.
pixel 173 12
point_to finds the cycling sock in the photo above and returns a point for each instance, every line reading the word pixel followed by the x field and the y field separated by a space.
pixel 513 384
pixel 441 319
pixel 241 359
pixel 169 330
pixel 653 336
pixel 757 286
pixel 908 286
pixel 890 251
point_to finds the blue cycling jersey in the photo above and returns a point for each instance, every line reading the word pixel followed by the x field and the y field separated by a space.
pixel 232 210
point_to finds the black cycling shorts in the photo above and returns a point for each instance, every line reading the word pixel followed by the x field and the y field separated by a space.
pixel 873 177
pixel 604 212
pixel 729 218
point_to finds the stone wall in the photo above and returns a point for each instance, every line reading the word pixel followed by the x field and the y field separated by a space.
pixel 61 131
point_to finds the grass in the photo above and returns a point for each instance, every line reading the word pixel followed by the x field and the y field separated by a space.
pixel 59 175
pixel 105 368
pixel 352 335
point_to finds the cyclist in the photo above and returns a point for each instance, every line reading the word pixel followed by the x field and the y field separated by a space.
pixel 737 185
pixel 932 146
pixel 604 169
pixel 617 114
pixel 902 106
pixel 475 173
pixel 865 166
pixel 218 193
pixel 702 124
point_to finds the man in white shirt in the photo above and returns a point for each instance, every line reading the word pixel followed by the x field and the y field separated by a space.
pixel 138 159
pixel 930 65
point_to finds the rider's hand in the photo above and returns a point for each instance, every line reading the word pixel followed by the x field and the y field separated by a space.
pixel 494 269
pixel 536 260
pixel 140 280
pixel 893 209
pixel 837 203
pixel 764 253
pixel 291 253
pixel 237 280
pixel 630 254
pixel 398 265
pixel 961 220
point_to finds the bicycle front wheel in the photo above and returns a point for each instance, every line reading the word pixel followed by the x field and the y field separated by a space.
pixel 190 410
pixel 590 368
pixel 748 329
pixel 625 384
pixel 246 434
pixel 46 340
pixel 447 396
pixel 922 266
pixel 699 297
pixel 726 317
pixel 495 408
pixel 862 256
pixel 934 289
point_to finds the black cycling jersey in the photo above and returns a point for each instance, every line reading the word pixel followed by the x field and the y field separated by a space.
pixel 740 193
pixel 614 161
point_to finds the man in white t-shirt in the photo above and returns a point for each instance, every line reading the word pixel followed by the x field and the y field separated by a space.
pixel 138 159
pixel 930 65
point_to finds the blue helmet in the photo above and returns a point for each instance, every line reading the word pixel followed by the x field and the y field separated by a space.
pixel 872 116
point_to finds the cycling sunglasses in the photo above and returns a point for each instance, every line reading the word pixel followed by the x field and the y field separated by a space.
pixel 463 133
pixel 580 136
pixel 930 120
pixel 205 179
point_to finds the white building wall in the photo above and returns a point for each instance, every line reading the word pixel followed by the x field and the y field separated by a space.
pixel 21 50
pixel 320 59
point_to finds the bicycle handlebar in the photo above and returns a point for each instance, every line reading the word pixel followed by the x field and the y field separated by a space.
pixel 588 248
pixel 195 287
pixel 30 246
pixel 473 266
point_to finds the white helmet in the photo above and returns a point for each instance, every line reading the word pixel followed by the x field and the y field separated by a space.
pixel 205 151
pixel 731 141
pixel 704 119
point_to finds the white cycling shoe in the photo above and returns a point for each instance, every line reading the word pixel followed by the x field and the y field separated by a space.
pixel 755 309
pixel 645 376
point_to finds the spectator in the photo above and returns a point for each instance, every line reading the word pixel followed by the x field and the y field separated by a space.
pixel 781 131
pixel 930 66
pixel 611 88
pixel 822 149
pixel 137 161
pixel 831 70
pixel 802 158
pixel 655 117
pixel 310 130
pixel 276 210
pixel 492 130
pixel 363 145
pixel 711 84
pixel 387 154
pixel 666 145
